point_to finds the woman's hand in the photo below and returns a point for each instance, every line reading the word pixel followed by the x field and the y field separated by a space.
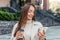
pixel 19 35
pixel 42 35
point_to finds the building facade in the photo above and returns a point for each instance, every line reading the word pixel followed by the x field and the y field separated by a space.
pixel 44 4
pixel 4 3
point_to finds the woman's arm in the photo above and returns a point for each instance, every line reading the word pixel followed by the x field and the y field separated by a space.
pixel 13 31
pixel 19 34
pixel 42 36
pixel 41 32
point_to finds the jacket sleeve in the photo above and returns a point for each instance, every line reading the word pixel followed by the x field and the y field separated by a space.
pixel 13 31
pixel 40 27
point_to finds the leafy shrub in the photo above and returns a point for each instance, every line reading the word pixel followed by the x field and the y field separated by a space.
pixel 4 15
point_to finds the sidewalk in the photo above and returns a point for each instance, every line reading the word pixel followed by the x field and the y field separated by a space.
pixel 53 33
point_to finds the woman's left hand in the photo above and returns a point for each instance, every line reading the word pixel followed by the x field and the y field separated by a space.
pixel 42 35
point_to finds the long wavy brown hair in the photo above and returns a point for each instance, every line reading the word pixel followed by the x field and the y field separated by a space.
pixel 23 19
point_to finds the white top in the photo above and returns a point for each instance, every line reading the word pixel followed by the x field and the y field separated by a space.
pixel 30 31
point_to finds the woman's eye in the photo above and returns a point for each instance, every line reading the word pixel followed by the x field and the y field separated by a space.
pixel 30 11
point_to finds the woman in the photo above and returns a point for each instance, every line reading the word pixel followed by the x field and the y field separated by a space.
pixel 33 30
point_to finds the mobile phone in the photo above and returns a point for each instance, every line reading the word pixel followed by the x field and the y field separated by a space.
pixel 21 30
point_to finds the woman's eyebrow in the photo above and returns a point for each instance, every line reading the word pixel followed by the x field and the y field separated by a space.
pixel 30 10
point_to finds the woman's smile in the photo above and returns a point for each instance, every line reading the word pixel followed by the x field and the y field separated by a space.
pixel 30 13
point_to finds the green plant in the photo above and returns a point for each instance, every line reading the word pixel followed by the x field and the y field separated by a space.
pixel 17 16
pixel 6 16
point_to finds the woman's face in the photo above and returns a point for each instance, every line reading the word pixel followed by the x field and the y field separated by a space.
pixel 30 13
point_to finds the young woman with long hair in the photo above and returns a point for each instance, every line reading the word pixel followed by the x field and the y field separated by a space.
pixel 33 30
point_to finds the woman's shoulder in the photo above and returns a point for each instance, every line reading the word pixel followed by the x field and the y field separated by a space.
pixel 16 24
pixel 37 23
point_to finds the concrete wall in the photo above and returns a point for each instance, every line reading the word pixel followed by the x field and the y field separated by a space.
pixel 32 1
pixel 4 3
pixel 45 4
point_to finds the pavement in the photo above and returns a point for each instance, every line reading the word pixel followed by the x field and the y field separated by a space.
pixel 52 33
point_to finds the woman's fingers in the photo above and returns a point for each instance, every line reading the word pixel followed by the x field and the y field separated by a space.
pixel 40 34
pixel 44 32
pixel 19 35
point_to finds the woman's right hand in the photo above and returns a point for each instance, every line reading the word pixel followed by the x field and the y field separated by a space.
pixel 19 35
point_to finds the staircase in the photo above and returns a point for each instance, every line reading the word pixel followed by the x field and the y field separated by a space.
pixel 46 18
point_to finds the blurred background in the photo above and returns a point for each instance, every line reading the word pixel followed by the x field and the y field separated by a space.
pixel 48 13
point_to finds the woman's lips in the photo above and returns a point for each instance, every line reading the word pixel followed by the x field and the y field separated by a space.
pixel 30 16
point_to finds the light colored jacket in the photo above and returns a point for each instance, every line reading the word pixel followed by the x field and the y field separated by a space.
pixel 30 31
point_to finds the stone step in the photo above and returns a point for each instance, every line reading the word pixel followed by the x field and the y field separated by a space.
pixel 6 26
